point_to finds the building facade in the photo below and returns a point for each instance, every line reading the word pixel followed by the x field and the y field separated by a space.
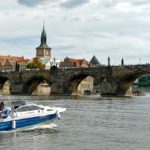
pixel 9 63
pixel 72 62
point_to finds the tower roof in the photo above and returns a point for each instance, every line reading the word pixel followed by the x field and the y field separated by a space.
pixel 43 39
pixel 94 61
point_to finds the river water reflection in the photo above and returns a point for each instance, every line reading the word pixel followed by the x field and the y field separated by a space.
pixel 88 124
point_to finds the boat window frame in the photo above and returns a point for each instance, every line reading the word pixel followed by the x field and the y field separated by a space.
pixel 28 108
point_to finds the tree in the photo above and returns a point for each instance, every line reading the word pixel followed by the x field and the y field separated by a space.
pixel 144 81
pixel 35 64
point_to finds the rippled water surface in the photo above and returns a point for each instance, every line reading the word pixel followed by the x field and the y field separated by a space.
pixel 90 124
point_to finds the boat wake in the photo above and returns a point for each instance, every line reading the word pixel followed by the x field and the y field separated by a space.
pixel 50 126
pixel 43 126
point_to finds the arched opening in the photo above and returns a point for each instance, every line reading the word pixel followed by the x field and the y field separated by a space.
pixel 83 84
pixel 5 86
pixel 141 85
pixel 85 87
pixel 37 86
pixel 126 86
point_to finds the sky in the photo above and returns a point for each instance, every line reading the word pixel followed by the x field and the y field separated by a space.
pixel 78 29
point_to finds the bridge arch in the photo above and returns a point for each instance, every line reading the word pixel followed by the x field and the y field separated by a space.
pixel 81 81
pixel 5 86
pixel 125 83
pixel 31 85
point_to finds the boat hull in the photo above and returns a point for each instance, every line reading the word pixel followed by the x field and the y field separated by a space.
pixel 25 122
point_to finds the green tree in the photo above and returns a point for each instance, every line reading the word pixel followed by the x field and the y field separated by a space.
pixel 35 64
pixel 144 81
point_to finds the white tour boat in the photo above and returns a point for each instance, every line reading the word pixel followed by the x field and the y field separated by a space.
pixel 22 115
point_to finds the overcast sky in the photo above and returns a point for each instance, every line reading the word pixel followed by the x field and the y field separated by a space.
pixel 78 28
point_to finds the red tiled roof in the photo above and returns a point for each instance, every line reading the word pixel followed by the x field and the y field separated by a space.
pixel 79 62
pixel 14 59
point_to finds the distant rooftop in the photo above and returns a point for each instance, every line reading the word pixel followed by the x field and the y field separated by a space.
pixel 94 61
pixel 14 58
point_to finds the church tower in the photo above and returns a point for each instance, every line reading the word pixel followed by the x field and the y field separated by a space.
pixel 43 50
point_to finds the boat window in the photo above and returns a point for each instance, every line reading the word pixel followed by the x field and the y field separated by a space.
pixel 50 110
pixel 28 108
pixel 17 104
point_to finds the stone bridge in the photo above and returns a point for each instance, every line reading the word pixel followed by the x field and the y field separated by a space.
pixel 113 80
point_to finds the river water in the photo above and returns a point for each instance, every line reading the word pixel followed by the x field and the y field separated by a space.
pixel 88 124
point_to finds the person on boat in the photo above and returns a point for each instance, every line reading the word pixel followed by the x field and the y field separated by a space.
pixel 1 108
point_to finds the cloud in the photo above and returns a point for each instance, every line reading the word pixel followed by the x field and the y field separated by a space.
pixel 139 2
pixel 31 3
pixel 114 28
pixel 134 2
pixel 73 3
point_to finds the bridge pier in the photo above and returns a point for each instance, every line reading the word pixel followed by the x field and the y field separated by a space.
pixel 108 88
pixel 112 89
pixel 124 90
pixel 56 90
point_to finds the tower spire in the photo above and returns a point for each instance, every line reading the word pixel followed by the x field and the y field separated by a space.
pixel 43 50
pixel 43 37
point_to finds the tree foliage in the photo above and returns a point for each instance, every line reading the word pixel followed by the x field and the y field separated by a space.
pixel 144 81
pixel 35 64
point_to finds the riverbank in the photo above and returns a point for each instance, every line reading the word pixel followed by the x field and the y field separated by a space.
pixel 142 92
pixel 73 97
pixel 24 97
